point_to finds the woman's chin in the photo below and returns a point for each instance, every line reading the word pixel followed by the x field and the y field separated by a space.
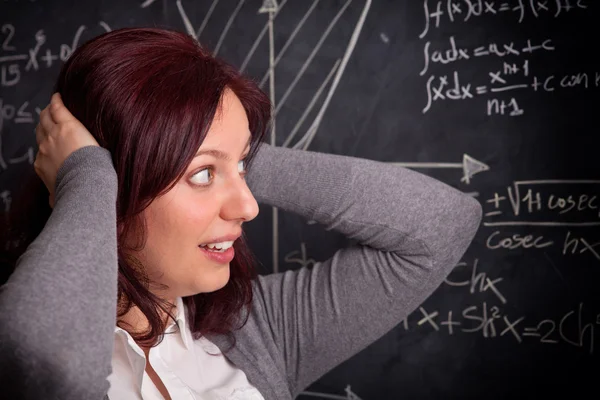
pixel 218 281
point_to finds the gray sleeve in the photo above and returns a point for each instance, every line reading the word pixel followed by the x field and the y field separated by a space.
pixel 411 231
pixel 58 309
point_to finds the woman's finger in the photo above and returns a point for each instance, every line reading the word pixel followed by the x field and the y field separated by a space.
pixel 60 113
pixel 39 134
pixel 37 166
pixel 46 121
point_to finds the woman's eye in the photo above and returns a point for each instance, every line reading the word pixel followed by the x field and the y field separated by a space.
pixel 243 167
pixel 202 177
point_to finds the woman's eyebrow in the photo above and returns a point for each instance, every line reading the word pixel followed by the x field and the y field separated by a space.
pixel 218 153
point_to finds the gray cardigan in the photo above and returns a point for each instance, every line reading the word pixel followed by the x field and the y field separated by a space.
pixel 58 309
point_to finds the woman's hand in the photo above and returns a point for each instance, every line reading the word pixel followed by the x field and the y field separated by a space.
pixel 58 135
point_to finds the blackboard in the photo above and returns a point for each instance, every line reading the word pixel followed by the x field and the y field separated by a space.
pixel 496 98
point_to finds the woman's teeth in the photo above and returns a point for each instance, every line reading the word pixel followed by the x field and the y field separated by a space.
pixel 219 247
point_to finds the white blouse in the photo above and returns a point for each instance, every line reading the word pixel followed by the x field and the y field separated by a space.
pixel 183 364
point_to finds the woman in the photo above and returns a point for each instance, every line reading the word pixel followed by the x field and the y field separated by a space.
pixel 144 154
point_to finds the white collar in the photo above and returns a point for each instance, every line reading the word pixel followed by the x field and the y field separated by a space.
pixel 180 317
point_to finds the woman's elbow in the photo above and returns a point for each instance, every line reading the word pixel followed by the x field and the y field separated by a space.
pixel 28 371
pixel 467 225
pixel 474 214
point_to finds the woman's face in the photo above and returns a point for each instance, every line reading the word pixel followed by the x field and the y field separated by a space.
pixel 210 201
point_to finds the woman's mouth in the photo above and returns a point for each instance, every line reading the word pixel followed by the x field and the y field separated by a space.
pixel 222 256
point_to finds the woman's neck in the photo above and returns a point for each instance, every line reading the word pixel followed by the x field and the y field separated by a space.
pixel 135 322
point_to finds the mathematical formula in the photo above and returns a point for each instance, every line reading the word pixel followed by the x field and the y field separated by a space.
pixel 514 74
pixel 550 202
pixel 452 87
pixel 575 327
pixel 500 50
pixel 491 322
pixel 13 63
pixel 450 11
pixel 23 114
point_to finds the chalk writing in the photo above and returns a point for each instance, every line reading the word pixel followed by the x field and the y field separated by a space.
pixel 24 114
pixel 490 321
pixel 477 282
pixel 452 87
pixel 469 165
pixel 515 74
pixel 13 64
pixel 497 240
pixel 549 202
pixel 571 245
pixel 455 11
pixel 21 115
pixel 579 245
pixel 457 53
pixel 300 257
pixel 550 331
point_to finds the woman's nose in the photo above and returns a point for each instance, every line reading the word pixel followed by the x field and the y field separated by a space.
pixel 240 204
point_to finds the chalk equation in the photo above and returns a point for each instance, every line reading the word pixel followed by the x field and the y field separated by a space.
pixel 500 50
pixel 450 11
pixel 572 244
pixel 450 87
pixel 546 202
pixel 491 322
pixel 576 327
pixel 14 63
pixel 551 203
pixel 477 282
pixel 22 114
pixel 514 73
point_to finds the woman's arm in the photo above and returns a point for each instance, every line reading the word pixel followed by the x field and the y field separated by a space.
pixel 411 231
pixel 58 309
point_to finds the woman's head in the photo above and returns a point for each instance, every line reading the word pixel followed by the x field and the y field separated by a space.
pixel 155 98
pixel 207 205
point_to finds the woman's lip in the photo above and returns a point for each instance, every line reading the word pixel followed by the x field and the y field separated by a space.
pixel 219 257
pixel 227 238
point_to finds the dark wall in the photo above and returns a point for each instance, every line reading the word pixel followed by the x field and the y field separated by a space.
pixel 498 99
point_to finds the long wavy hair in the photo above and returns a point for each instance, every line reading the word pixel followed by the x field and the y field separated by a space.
pixel 148 95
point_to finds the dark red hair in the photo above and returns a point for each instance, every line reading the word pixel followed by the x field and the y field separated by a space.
pixel 149 95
